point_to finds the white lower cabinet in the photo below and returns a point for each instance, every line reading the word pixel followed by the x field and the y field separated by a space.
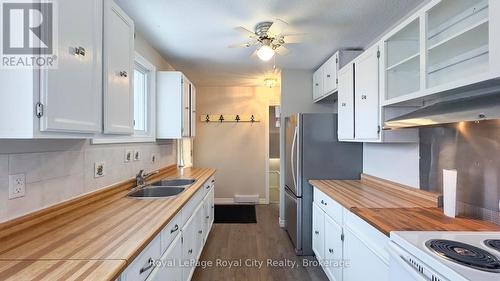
pixel 174 253
pixel 347 247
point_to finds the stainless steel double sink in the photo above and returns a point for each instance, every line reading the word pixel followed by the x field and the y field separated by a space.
pixel 162 189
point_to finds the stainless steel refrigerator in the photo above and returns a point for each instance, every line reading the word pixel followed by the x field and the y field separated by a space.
pixel 313 152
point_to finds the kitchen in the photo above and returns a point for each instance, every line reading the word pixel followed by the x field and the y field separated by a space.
pixel 272 140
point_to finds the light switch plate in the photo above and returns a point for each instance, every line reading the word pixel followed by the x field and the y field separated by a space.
pixel 99 170
pixel 137 155
pixel 17 186
pixel 127 157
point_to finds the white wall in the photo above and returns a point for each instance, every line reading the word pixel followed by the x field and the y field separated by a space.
pixel 395 162
pixel 239 151
pixel 58 170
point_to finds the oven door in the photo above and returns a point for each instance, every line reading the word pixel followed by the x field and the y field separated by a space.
pixel 401 269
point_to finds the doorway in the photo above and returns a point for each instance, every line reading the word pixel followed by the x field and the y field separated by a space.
pixel 274 154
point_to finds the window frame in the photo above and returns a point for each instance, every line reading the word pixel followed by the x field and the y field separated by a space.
pixel 150 133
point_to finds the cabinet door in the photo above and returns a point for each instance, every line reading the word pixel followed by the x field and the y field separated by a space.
pixel 192 104
pixel 170 269
pixel 364 264
pixel 318 241
pixel 330 75
pixel 189 244
pixel 346 103
pixel 71 94
pixel 186 109
pixel 118 70
pixel 366 92
pixel 318 84
pixel 333 249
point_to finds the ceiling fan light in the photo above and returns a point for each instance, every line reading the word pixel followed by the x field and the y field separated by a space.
pixel 265 53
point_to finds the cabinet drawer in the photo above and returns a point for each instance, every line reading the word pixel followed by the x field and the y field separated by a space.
pixel 142 265
pixel 374 239
pixel 331 208
pixel 170 231
pixel 193 203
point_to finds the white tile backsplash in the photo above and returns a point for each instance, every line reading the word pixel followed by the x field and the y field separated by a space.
pixel 56 176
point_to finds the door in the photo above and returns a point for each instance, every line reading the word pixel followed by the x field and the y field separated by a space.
pixel 71 93
pixel 170 268
pixel 291 144
pixel 318 84
pixel 333 248
pixel 366 89
pixel 291 217
pixel 318 227
pixel 186 110
pixel 346 103
pixel 364 264
pixel 330 74
pixel 118 62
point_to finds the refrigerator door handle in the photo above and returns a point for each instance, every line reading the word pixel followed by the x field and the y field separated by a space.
pixel 294 142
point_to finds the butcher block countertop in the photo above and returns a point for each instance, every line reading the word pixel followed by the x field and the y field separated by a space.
pixel 389 206
pixel 95 235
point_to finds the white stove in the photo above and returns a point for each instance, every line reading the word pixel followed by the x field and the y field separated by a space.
pixel 444 256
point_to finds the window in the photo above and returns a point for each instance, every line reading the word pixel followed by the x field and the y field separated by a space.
pixel 144 105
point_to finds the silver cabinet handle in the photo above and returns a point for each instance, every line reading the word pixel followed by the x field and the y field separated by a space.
pixel 176 227
pixel 200 231
pixel 316 232
pixel 330 250
pixel 323 202
pixel 207 187
pixel 317 84
pixel 80 51
pixel 363 97
pixel 344 104
pixel 148 267
pixel 328 75
pixel 207 217
pixel 123 74
pixel 190 251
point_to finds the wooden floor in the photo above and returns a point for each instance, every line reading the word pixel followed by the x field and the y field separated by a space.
pixel 254 243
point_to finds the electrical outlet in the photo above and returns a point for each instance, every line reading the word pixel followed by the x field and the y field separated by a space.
pixel 17 186
pixel 137 155
pixel 154 158
pixel 99 170
pixel 128 156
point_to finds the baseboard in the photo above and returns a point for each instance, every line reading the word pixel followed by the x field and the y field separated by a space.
pixel 282 223
pixel 230 201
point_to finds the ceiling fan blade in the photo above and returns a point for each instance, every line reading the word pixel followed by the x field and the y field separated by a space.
pixel 243 45
pixel 294 38
pixel 282 51
pixel 245 32
pixel 277 28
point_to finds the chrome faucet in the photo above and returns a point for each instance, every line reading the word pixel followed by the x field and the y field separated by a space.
pixel 141 178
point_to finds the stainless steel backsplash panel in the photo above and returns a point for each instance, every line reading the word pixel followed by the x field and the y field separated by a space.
pixel 474 150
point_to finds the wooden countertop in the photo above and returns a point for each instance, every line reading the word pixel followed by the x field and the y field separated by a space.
pixel 104 226
pixel 389 206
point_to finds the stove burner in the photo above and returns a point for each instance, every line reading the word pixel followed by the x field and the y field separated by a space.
pixel 465 254
pixel 493 243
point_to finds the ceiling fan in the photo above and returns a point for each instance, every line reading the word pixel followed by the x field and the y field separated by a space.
pixel 270 39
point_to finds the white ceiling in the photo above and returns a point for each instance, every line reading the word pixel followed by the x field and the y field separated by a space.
pixel 194 34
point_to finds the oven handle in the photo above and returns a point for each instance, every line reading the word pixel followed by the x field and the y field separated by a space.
pixel 403 263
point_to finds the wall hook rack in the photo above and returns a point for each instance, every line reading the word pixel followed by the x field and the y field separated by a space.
pixel 229 118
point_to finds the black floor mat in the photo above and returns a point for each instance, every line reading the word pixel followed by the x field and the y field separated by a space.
pixel 235 214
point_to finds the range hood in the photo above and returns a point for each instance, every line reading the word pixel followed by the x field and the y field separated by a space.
pixel 485 107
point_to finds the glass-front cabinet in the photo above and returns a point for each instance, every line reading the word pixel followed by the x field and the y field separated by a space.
pixel 447 45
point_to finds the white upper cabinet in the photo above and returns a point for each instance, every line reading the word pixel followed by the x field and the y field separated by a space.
pixel 176 102
pixel 366 95
pixel 325 79
pixel 346 103
pixel 118 70
pixel 65 101
pixel 448 47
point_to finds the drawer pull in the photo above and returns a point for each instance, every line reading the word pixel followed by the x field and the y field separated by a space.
pixel 148 267
pixel 123 74
pixel 323 202
pixel 207 217
pixel 213 181
pixel 316 232
pixel 328 75
pixel 176 227
pixel 207 187
pixel 190 251
pixel 200 231
pixel 330 250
